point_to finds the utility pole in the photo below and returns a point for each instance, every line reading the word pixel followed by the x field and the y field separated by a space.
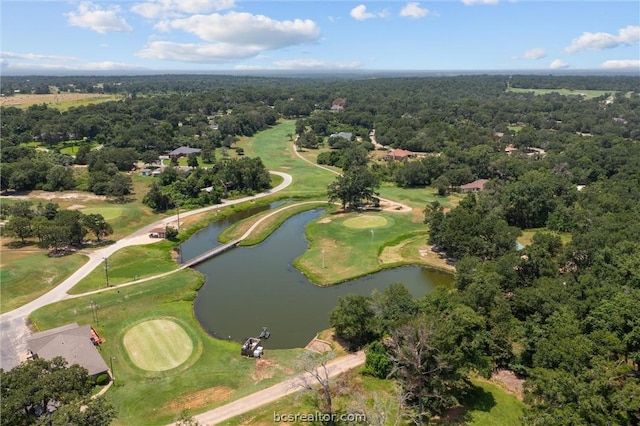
pixel 113 374
pixel 106 269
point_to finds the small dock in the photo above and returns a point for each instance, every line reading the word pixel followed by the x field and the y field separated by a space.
pixel 211 253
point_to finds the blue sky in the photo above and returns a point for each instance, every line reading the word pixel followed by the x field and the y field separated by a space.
pixel 218 35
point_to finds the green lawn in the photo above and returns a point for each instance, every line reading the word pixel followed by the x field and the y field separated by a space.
pixel 351 252
pixel 143 261
pixel 213 375
pixel 488 405
pixel 588 94
pixel 276 151
pixel 24 276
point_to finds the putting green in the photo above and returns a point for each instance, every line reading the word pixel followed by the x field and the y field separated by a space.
pixel 365 221
pixel 107 212
pixel 157 345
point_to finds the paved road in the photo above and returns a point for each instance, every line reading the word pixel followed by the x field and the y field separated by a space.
pixel 250 402
pixel 13 328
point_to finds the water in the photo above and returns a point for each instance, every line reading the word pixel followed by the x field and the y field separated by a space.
pixel 207 238
pixel 249 288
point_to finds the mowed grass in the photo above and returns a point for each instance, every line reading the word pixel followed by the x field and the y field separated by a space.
pixel 60 101
pixel 489 405
pixel 26 275
pixel 351 252
pixel 277 153
pixel 588 94
pixel 109 213
pixel 125 264
pixel 366 221
pixel 214 374
pixel 157 345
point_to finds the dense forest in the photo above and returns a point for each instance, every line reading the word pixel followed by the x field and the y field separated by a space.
pixel 562 313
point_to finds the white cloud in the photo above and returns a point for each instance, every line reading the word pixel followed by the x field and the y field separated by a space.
pixel 95 18
pixel 536 53
pixel 316 64
pixel 413 10
pixel 472 2
pixel 79 66
pixel 621 64
pixel 558 64
pixel 359 13
pixel 216 53
pixel 598 41
pixel 246 30
pixel 166 8
pixel 34 56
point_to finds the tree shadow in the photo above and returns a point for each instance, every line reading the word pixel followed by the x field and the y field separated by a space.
pixel 20 244
pixel 479 399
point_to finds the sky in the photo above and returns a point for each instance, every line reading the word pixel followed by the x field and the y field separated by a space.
pixel 315 35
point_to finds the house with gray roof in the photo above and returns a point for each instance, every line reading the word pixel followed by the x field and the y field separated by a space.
pixel 75 343
pixel 183 151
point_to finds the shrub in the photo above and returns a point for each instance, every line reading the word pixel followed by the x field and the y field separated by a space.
pixel 102 379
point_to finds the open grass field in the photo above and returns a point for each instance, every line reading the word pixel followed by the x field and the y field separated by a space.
pixel 276 151
pixel 124 265
pixel 213 374
pixel 26 275
pixel 157 345
pixel 526 238
pixel 588 94
pixel 109 213
pixel 61 101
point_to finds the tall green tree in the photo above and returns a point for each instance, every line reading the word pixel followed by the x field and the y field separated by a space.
pixel 37 387
pixel 356 185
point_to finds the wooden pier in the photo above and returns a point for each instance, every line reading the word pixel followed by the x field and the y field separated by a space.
pixel 211 253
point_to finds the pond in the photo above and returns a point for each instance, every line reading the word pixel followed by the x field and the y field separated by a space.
pixel 248 288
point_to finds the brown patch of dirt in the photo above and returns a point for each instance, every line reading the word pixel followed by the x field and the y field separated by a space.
pixel 508 380
pixel 76 207
pixel 66 195
pixel 198 399
pixel 325 220
pixel 264 369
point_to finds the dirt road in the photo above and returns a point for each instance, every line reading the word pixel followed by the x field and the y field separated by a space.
pixel 258 399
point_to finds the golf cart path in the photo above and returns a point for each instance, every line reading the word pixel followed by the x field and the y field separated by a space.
pixel 13 326
pixel 255 400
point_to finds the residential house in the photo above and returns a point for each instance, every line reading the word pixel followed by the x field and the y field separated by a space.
pixel 338 104
pixel 345 135
pixel 183 151
pixel 399 154
pixel 75 343
pixel 145 172
pixel 475 186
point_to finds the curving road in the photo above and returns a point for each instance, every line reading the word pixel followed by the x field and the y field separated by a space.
pixel 13 326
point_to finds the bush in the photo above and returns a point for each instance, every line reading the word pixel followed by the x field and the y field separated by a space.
pixel 102 379
pixel 377 363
